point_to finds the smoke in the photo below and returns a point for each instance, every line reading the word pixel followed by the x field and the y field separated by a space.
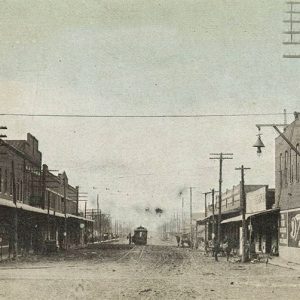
pixel 158 211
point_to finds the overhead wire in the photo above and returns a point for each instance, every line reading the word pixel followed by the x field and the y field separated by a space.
pixel 139 116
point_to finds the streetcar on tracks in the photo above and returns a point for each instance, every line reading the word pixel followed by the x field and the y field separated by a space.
pixel 140 236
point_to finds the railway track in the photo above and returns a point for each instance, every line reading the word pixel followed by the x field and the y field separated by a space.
pixel 134 253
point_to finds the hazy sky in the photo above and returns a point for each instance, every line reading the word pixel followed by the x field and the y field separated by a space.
pixel 146 57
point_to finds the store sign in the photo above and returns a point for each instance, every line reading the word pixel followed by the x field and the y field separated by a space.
pixel 283 229
pixel 256 200
pixel 294 229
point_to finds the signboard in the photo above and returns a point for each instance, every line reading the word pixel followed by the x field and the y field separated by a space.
pixel 294 228
pixel 256 200
pixel 283 229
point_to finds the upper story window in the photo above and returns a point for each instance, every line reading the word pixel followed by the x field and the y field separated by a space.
pixel 285 167
pixel 280 169
pixel 21 190
pixel 291 167
pixel 5 181
pixel 297 163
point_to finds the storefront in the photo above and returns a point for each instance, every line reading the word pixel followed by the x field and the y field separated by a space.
pixel 289 237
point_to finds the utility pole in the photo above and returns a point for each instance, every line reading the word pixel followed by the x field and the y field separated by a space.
pixel 44 200
pixel 77 200
pixel 92 225
pixel 97 222
pixel 213 211
pixel 65 210
pixel 205 215
pixel 15 254
pixel 243 211
pixel 182 214
pixel 220 156
pixel 100 224
pixel 191 215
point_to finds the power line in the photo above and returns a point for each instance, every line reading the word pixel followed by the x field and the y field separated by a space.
pixel 139 116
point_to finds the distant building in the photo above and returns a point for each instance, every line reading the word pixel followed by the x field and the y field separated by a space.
pixel 287 184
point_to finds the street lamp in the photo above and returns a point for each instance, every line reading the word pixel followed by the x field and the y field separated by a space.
pixel 259 144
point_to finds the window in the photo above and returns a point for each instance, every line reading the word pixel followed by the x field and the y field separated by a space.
pixel 285 167
pixel 11 184
pixel 280 169
pixel 17 190
pixel 5 181
pixel 297 163
pixel 291 167
pixel 21 190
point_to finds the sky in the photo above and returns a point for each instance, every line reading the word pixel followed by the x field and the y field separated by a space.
pixel 147 58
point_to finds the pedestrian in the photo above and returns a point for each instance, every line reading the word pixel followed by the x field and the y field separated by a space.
pixel 129 238
pixel 227 247
pixel 178 240
pixel 216 248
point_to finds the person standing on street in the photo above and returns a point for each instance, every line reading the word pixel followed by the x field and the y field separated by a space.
pixel 129 238
pixel 216 248
pixel 178 240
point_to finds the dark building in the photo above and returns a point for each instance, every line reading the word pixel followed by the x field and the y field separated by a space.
pixel 44 205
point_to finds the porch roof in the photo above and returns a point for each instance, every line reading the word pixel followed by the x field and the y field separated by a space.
pixel 9 203
pixel 249 215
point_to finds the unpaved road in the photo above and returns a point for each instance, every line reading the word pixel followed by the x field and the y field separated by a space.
pixel 143 272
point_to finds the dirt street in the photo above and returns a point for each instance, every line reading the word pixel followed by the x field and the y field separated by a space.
pixel 120 271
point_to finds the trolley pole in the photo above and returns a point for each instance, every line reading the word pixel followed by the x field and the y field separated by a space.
pixel 243 212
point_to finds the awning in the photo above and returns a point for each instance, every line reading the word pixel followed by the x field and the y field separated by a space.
pixel 234 219
pixel 203 221
pixel 239 218
pixel 9 203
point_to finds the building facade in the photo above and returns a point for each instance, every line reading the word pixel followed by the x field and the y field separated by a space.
pixel 35 205
pixel 287 184
pixel 261 219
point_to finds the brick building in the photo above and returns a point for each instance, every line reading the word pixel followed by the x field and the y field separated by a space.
pixel 34 197
pixel 287 184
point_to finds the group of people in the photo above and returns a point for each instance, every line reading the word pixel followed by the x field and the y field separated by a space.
pixel 216 247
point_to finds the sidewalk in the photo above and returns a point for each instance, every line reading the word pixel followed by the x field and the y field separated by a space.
pixel 280 262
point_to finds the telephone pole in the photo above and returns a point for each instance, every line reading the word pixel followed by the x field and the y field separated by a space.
pixel 15 254
pixel 182 214
pixel 205 215
pixel 213 211
pixel 65 210
pixel 243 211
pixel 97 218
pixel 191 215
pixel 220 156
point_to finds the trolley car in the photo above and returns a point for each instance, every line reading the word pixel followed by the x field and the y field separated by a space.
pixel 140 236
